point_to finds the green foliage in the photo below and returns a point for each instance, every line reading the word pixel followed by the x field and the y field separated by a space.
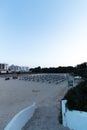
pixel 77 97
pixel 60 69
pixel 81 70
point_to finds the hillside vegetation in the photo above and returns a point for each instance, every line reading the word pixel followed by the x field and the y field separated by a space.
pixel 77 97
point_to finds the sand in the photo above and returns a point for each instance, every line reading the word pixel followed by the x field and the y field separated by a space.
pixel 18 94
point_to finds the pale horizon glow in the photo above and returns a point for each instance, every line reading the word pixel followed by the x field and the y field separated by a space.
pixel 46 33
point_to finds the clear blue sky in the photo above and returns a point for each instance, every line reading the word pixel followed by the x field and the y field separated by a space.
pixel 46 33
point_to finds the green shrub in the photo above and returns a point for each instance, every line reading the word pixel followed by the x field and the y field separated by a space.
pixel 77 97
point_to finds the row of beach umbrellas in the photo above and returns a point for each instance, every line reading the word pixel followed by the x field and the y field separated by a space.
pixel 44 78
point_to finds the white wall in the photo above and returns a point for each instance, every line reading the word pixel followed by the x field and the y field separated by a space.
pixel 75 120
pixel 21 118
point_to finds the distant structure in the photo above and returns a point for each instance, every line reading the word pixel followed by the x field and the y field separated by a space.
pixel 3 68
pixel 15 68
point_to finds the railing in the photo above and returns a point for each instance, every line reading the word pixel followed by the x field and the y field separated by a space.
pixel 21 118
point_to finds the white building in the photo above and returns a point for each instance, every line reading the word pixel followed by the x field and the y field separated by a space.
pixel 15 68
pixel 24 69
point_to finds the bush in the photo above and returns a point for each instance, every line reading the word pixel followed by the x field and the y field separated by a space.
pixel 77 97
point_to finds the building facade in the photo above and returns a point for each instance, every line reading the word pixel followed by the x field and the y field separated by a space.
pixel 3 68
pixel 15 68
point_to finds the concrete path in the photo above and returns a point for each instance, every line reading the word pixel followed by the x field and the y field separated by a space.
pixel 46 114
pixel 45 118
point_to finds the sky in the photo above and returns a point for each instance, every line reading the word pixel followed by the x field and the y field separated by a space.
pixel 46 33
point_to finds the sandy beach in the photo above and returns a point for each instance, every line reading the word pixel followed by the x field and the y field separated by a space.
pixel 18 94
